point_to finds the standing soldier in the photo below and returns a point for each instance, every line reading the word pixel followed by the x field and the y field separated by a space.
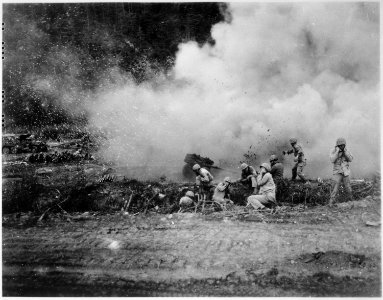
pixel 299 159
pixel 249 177
pixel 203 180
pixel 340 157
pixel 277 173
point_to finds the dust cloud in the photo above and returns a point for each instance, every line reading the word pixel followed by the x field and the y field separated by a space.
pixel 276 71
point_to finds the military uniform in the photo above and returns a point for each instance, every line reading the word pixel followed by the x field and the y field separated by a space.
pixel 277 174
pixel 204 180
pixel 249 176
pixel 266 194
pixel 300 162
pixel 341 171
pixel 222 194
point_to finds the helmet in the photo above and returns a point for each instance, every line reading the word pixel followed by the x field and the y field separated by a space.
pixel 189 194
pixel 227 179
pixel 244 166
pixel 293 141
pixel 266 166
pixel 273 157
pixel 340 141
pixel 196 167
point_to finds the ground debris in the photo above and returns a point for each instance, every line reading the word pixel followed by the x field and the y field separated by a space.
pixel 314 256
pixel 59 157
pixel 318 191
pixel 370 223
pixel 98 186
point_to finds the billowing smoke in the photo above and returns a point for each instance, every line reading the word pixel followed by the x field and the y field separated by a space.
pixel 276 71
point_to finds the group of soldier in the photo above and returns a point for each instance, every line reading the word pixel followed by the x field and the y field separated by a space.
pixel 266 183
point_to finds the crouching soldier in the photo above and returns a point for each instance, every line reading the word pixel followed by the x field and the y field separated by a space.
pixel 203 181
pixel 222 193
pixel 248 177
pixel 299 159
pixel 341 158
pixel 266 194
pixel 186 201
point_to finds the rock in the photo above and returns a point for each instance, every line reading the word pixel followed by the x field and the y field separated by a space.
pixel 43 171
pixel 24 217
pixel 114 245
pixel 362 204
pixel 90 170
pixel 371 223
pixel 272 272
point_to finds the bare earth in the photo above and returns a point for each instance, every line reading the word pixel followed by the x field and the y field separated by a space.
pixel 221 254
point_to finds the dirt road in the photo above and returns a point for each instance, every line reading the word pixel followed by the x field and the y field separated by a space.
pixel 196 255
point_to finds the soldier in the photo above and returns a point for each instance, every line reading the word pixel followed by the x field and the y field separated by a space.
pixel 222 193
pixel 277 173
pixel 248 177
pixel 266 195
pixel 186 201
pixel 341 158
pixel 203 180
pixel 276 168
pixel 299 159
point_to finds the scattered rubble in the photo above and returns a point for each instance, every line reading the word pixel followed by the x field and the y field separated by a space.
pixel 318 192
pixel 96 186
pixel 59 157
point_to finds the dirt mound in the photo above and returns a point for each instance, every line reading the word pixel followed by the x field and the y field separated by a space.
pixel 336 259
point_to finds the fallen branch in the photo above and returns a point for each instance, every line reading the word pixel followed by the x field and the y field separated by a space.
pixel 130 200
pixel 45 212
pixel 147 203
pixel 126 205
pixel 62 209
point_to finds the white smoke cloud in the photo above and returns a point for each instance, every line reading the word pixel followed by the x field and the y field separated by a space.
pixel 276 71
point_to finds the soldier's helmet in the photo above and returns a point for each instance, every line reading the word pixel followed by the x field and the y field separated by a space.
pixel 196 167
pixel 189 194
pixel 341 141
pixel 266 166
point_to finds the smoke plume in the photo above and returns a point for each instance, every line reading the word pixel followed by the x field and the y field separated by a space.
pixel 276 71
